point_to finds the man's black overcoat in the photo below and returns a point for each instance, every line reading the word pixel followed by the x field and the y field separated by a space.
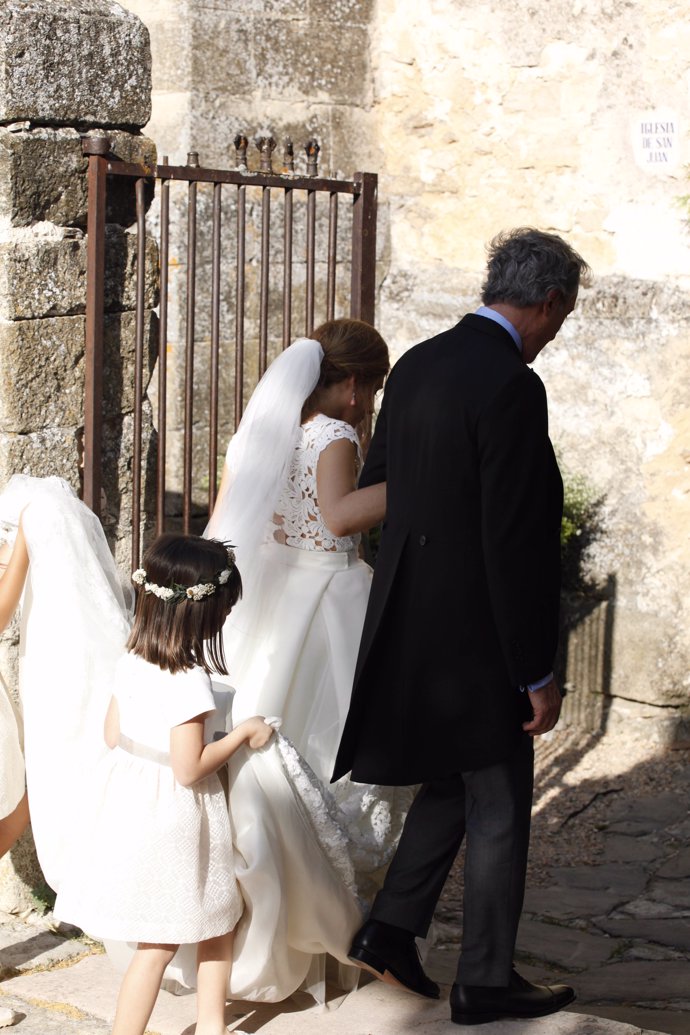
pixel 465 596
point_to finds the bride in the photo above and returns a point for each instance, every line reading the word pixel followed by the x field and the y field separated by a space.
pixel 288 500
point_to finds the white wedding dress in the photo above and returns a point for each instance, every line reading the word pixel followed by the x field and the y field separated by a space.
pixel 292 643
pixel 291 853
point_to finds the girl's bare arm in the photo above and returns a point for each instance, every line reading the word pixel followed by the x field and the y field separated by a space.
pixel 192 760
pixel 111 729
pixel 345 508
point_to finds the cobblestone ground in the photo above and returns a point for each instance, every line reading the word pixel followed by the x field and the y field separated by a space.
pixel 608 900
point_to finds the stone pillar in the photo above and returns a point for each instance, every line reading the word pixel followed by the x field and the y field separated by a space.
pixel 66 70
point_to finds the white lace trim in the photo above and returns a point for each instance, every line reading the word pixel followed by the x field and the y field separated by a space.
pixel 319 809
pixel 298 521
pixel 357 826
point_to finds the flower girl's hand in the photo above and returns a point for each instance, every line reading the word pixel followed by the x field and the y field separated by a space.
pixel 258 732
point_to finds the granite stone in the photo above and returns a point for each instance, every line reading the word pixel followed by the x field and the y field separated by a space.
pixel 69 62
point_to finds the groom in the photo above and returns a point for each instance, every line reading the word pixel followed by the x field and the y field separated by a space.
pixel 454 675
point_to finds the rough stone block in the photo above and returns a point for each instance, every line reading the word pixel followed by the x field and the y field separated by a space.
pixel 343 12
pixel 119 356
pixel 564 946
pixel 43 273
pixel 42 453
pixel 22 884
pixel 222 60
pixel 116 502
pixel 74 62
pixel 280 59
pixel 674 932
pixel 41 945
pixel 42 370
pixel 332 65
pixel 42 374
pixel 59 451
pixel 636 982
pixel 43 176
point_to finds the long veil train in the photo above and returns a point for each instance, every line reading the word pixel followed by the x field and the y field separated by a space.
pixel 291 852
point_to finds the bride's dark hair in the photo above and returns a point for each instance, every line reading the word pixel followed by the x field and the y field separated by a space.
pixel 350 348
pixel 179 633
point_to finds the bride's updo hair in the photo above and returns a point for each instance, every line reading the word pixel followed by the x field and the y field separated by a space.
pixel 171 629
pixel 350 348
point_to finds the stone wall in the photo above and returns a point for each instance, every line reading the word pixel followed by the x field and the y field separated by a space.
pixel 483 115
pixel 68 68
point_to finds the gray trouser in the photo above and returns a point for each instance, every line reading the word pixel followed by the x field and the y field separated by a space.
pixel 492 806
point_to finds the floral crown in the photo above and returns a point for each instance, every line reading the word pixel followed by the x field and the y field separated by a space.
pixel 175 591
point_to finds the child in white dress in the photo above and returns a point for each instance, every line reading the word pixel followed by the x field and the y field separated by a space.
pixel 159 867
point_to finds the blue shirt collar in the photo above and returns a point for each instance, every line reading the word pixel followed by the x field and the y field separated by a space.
pixel 491 314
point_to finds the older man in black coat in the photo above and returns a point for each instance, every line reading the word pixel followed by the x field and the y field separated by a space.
pixel 454 675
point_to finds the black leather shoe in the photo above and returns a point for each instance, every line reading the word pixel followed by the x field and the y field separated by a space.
pixel 478 1004
pixel 390 953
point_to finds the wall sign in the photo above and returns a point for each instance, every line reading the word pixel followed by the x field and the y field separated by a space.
pixel 656 140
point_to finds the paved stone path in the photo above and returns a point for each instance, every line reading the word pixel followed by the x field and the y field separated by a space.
pixel 619 931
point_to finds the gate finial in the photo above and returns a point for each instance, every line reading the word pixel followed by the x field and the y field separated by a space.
pixel 312 147
pixel 266 146
pixel 241 145
pixel 288 156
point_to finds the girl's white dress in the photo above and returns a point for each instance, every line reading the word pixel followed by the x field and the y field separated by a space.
pixel 159 865
pixel 290 852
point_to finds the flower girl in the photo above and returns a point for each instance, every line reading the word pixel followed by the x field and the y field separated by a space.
pixel 159 866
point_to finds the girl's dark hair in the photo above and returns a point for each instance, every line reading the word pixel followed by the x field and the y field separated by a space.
pixel 350 347
pixel 178 634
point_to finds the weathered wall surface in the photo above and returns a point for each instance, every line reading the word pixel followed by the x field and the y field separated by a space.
pixel 66 69
pixel 483 115
pixel 572 118
pixel 298 67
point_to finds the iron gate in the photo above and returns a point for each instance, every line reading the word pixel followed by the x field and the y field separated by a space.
pixel 298 196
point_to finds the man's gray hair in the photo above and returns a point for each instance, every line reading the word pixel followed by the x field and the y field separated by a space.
pixel 525 265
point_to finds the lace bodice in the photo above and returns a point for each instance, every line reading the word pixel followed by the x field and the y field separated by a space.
pixel 298 520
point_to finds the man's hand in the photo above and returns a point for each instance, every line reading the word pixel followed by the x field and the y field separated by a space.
pixel 546 705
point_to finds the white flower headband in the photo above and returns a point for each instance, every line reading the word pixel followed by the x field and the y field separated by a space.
pixel 176 592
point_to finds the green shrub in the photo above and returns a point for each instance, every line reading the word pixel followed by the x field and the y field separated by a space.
pixel 581 524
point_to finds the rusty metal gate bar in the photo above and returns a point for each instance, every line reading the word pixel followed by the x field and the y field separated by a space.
pixel 93 358
pixel 162 353
pixel 362 188
pixel 215 343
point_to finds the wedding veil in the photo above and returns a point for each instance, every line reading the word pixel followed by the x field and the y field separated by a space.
pixel 260 452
